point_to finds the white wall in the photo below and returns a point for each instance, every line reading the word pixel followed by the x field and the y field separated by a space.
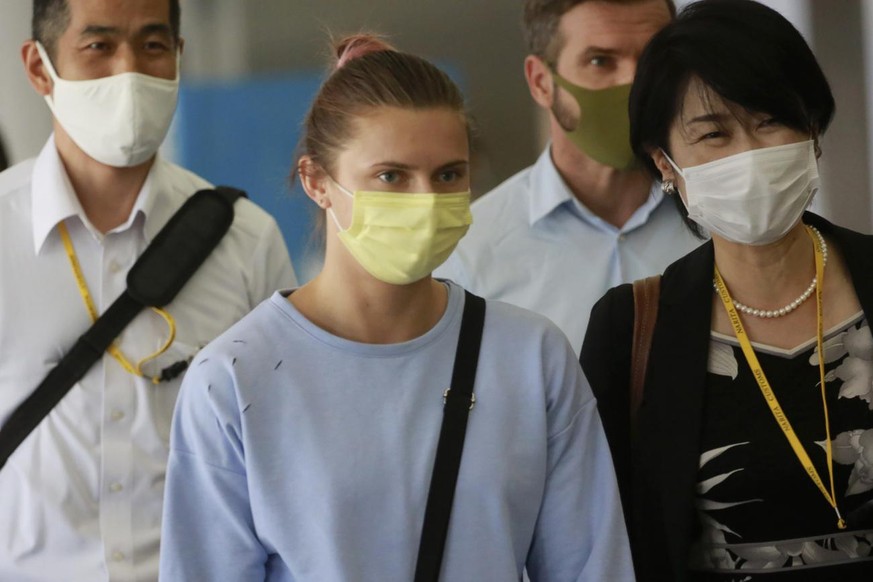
pixel 25 121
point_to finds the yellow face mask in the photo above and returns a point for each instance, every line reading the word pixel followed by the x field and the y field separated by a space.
pixel 400 237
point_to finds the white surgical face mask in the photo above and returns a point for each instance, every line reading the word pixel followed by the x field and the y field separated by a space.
pixel 754 197
pixel 119 120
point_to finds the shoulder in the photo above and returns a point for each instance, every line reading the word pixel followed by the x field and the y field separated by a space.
pixel 16 179
pixel 508 199
pixel 526 349
pixel 183 181
pixel 255 333
pixel 517 330
pixel 497 215
pixel 213 373
pixel 249 218
pixel 612 311
pixel 845 237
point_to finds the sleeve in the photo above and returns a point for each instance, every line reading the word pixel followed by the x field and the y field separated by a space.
pixel 270 266
pixel 208 531
pixel 580 533
pixel 605 358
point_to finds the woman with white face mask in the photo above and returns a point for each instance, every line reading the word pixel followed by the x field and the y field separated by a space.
pixel 305 438
pixel 748 453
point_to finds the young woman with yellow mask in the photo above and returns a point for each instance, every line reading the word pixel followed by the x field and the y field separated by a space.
pixel 308 441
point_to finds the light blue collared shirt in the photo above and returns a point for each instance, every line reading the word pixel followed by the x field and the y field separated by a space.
pixel 533 244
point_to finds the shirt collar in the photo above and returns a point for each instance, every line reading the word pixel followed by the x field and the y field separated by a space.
pixel 549 192
pixel 54 200
pixel 548 189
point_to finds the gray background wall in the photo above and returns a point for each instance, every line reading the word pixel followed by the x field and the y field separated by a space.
pixel 482 40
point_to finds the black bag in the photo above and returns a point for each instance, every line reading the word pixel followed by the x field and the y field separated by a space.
pixel 459 401
pixel 174 255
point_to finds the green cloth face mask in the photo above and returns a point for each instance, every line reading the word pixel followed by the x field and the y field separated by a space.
pixel 603 131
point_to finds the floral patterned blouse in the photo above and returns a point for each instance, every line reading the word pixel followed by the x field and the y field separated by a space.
pixel 761 518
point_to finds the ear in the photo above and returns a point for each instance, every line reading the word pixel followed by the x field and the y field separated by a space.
pixel 539 81
pixel 180 47
pixel 314 181
pixel 816 145
pixel 660 160
pixel 35 69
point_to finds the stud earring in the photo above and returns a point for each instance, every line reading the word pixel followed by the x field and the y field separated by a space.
pixel 668 187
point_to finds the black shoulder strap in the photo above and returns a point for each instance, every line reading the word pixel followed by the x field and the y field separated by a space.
pixel 176 252
pixel 459 401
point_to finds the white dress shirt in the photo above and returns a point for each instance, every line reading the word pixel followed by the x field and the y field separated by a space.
pixel 533 244
pixel 81 498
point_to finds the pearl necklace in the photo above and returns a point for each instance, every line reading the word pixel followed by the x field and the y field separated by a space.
pixel 765 313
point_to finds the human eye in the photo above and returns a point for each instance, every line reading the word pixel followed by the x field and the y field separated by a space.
pixel 391 177
pixel 709 132
pixel 769 122
pixel 97 46
pixel 601 61
pixel 448 176
pixel 157 44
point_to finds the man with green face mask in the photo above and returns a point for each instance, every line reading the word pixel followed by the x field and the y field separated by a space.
pixel 584 218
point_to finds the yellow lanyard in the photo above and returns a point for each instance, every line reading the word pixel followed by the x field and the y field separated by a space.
pixel 113 350
pixel 767 391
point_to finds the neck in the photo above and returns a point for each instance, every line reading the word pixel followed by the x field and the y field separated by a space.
pixel 767 276
pixel 107 194
pixel 613 195
pixel 348 302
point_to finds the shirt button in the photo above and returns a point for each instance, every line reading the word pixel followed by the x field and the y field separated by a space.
pixel 118 556
pixel 621 238
pixel 114 267
pixel 116 487
pixel 116 415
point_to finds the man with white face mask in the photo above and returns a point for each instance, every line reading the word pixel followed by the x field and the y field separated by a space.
pixel 82 495
pixel 585 217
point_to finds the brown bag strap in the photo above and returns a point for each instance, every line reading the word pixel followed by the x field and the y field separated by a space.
pixel 646 292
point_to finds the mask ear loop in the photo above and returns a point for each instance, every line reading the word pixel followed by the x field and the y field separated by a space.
pixel 330 208
pixel 672 163
pixel 49 66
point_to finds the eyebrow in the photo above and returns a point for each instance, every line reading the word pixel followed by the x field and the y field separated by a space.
pixel 594 51
pixel 709 118
pixel 98 30
pixel 402 166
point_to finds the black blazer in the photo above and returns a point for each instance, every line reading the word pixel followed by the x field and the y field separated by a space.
pixel 657 473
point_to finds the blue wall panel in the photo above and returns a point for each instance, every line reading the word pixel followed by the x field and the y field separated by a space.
pixel 244 133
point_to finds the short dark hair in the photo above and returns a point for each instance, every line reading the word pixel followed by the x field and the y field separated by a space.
pixel 52 17
pixel 745 52
pixel 541 20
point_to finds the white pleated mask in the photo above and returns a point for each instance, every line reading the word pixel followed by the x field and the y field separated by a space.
pixel 753 197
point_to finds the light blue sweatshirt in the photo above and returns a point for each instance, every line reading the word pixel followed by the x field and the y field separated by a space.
pixel 300 456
